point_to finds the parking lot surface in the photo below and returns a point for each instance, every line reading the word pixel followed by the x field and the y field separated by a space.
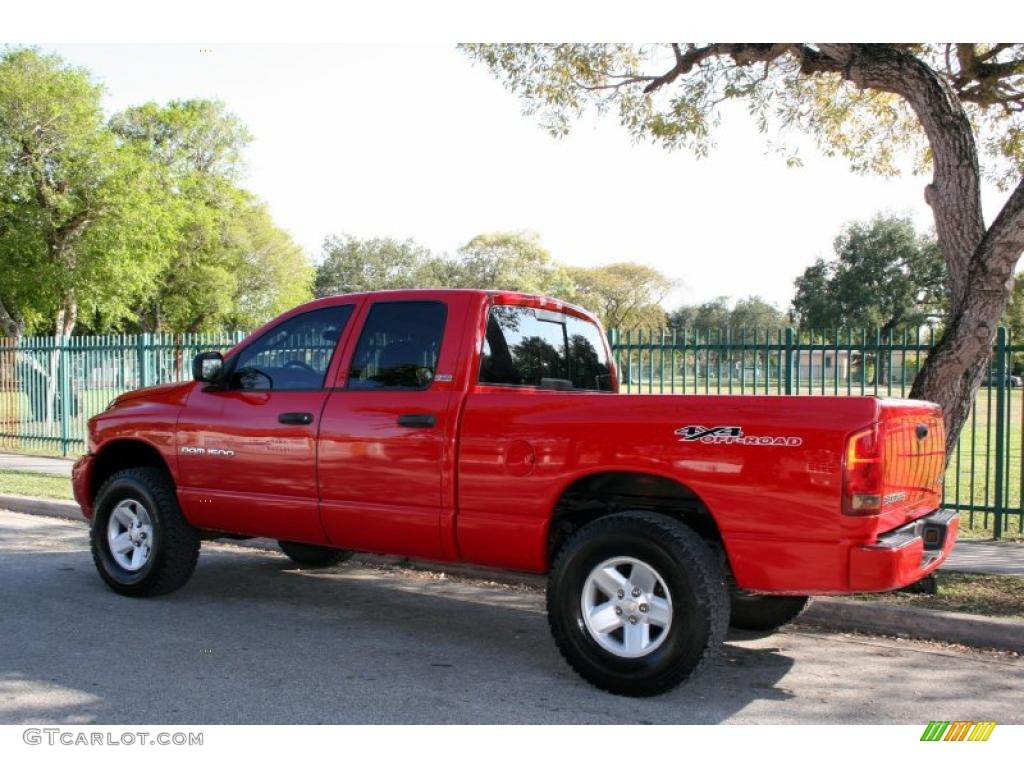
pixel 254 639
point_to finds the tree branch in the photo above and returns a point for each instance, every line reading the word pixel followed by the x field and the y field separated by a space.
pixel 955 191
pixel 1004 240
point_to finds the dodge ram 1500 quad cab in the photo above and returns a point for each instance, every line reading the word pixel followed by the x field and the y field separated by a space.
pixel 486 427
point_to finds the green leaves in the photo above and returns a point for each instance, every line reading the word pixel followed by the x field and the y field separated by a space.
pixel 226 265
pixel 623 295
pixel 672 95
pixel 76 225
pixel 885 275
pixel 351 265
pixel 750 313
pixel 136 223
pixel 509 261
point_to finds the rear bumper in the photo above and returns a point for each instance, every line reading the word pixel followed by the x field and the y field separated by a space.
pixel 904 555
pixel 81 482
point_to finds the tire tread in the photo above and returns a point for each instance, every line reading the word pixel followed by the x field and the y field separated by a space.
pixel 180 550
pixel 710 587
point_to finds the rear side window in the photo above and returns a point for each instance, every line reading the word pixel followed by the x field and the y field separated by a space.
pixel 537 348
pixel 399 346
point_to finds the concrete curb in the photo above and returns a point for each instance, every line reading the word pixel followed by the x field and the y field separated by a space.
pixel 827 612
pixel 919 623
pixel 30 505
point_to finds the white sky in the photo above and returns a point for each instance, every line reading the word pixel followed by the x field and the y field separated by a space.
pixel 417 141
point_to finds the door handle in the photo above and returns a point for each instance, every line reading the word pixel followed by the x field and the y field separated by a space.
pixel 296 417
pixel 417 420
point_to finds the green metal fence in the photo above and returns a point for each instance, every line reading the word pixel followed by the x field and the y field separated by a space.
pixel 50 387
pixel 984 480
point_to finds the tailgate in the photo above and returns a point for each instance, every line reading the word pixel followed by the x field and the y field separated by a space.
pixel 914 437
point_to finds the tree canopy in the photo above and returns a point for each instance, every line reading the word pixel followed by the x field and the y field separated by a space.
pixel 508 261
pixel 81 228
pixel 137 222
pixel 623 295
pixel 228 265
pixel 884 275
pixel 351 265
pixel 750 313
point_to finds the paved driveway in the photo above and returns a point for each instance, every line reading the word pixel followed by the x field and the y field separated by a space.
pixel 251 639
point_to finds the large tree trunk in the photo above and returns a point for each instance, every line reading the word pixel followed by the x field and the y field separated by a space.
pixel 980 260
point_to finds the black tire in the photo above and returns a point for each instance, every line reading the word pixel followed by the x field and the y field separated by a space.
pixel 762 613
pixel 693 578
pixel 312 556
pixel 174 543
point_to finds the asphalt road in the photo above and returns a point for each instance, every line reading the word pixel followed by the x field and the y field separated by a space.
pixel 252 639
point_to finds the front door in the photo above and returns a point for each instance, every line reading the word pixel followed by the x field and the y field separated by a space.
pixel 247 450
pixel 386 436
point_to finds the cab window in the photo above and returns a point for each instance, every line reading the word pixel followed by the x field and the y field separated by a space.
pixel 538 348
pixel 293 355
pixel 399 346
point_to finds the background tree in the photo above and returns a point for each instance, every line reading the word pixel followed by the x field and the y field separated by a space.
pixel 82 230
pixel 884 276
pixel 81 225
pixel 507 261
pixel 624 295
pixel 749 313
pixel 750 318
pixel 228 265
pixel 708 314
pixel 1013 319
pixel 754 312
pixel 351 265
pixel 943 102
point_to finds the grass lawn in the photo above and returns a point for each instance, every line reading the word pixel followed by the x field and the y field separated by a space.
pixel 979 593
pixel 34 484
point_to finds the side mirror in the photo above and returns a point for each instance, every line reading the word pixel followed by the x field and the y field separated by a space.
pixel 208 367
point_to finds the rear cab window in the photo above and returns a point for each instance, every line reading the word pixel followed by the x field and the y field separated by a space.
pixel 544 349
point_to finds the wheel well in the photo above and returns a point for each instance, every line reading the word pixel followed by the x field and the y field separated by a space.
pixel 122 454
pixel 603 494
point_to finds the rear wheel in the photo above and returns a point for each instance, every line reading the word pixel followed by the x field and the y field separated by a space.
pixel 141 542
pixel 764 612
pixel 313 556
pixel 637 603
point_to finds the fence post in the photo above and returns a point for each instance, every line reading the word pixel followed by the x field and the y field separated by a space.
pixel 141 342
pixel 789 361
pixel 1000 491
pixel 64 389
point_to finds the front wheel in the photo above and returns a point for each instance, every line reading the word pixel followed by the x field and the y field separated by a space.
pixel 764 613
pixel 313 556
pixel 637 603
pixel 141 543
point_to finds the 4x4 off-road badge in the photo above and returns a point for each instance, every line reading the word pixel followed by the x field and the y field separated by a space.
pixel 696 433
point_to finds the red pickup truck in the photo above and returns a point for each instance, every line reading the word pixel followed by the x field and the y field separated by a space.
pixel 486 427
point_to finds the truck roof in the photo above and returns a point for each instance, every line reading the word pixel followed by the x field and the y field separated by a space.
pixel 503 297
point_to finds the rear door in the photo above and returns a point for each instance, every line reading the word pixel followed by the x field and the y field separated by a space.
pixel 386 438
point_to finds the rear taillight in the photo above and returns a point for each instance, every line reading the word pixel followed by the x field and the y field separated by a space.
pixel 862 472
